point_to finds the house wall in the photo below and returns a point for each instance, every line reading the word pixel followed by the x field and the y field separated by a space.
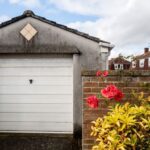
pixel 125 66
pixel 146 67
pixel 125 80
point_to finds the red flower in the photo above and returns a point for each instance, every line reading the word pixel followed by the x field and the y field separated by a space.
pixel 105 73
pixel 119 96
pixel 111 91
pixel 98 73
pixel 92 101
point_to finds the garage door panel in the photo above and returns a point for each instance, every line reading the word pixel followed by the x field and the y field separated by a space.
pixel 47 71
pixel 33 99
pixel 36 117
pixel 31 89
pixel 42 62
pixel 36 127
pixel 36 108
pixel 41 80
pixel 37 65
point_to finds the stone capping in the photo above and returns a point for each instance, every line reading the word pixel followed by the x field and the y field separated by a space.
pixel 130 73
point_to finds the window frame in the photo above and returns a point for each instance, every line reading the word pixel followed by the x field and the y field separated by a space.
pixel 134 64
pixel 141 63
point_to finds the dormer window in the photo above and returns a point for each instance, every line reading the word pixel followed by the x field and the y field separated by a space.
pixel 133 64
pixel 141 65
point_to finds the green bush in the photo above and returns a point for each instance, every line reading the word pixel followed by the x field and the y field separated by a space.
pixel 125 127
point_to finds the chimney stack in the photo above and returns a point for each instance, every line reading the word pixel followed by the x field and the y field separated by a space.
pixel 146 50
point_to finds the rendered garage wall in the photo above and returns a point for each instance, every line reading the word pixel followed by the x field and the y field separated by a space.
pixel 51 36
pixel 126 81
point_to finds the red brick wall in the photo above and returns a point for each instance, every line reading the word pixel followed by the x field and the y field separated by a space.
pixel 125 80
pixel 146 67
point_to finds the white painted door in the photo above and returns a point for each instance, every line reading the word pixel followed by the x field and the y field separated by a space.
pixel 36 95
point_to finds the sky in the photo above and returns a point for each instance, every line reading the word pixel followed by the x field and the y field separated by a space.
pixel 124 23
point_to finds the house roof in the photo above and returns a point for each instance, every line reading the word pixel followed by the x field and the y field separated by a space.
pixel 143 56
pixel 119 60
pixel 29 13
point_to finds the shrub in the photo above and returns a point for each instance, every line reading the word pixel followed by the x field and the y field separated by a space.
pixel 126 126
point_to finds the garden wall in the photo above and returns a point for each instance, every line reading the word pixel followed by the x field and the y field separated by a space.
pixel 139 81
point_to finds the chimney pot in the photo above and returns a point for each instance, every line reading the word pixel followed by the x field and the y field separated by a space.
pixel 146 50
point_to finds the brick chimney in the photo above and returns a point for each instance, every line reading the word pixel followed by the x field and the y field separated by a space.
pixel 146 50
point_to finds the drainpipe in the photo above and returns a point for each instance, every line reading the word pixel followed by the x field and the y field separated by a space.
pixel 105 49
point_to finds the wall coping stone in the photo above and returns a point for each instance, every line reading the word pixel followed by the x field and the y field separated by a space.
pixel 130 73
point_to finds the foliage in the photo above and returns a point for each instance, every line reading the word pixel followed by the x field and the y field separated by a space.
pixel 125 127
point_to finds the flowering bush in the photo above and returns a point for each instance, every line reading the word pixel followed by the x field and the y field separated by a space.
pixel 111 92
pixel 125 127
pixel 92 101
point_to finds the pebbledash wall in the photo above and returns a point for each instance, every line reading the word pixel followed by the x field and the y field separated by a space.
pixel 126 81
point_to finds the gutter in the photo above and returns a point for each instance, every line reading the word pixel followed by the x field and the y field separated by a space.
pixel 107 45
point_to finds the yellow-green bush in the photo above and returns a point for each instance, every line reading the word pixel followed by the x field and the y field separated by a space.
pixel 125 127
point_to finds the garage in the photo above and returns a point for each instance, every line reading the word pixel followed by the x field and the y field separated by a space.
pixel 36 94
pixel 41 97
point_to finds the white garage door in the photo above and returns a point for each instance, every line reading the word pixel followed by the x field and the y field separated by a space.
pixel 36 95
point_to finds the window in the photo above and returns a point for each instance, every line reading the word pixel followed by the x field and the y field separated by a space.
pixel 116 66
pixel 121 66
pixel 133 64
pixel 141 65
pixel 149 62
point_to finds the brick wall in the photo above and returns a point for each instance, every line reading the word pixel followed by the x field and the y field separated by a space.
pixel 125 80
pixel 146 66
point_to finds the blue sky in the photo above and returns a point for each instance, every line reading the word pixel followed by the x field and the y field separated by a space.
pixel 48 10
pixel 124 23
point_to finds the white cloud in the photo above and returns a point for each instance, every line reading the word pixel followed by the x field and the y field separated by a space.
pixel 125 23
pixel 90 7
pixel 14 1
pixel 4 18
pixel 26 3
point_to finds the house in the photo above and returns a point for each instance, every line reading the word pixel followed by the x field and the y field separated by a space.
pixel 119 63
pixel 142 62
pixel 40 76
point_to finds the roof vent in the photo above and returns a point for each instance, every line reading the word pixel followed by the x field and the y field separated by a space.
pixel 28 32
pixel 28 13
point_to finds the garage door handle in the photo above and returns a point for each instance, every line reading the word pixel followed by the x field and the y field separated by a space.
pixel 31 81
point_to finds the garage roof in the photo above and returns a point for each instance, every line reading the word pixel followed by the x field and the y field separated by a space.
pixel 29 13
